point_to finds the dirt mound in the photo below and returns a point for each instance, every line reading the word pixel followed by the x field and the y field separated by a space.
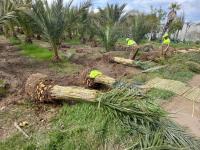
pixel 107 67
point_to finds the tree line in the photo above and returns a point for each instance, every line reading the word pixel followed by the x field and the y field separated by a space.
pixel 58 21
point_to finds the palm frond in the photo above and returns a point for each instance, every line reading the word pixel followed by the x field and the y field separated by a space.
pixel 106 24
pixel 52 19
pixel 146 122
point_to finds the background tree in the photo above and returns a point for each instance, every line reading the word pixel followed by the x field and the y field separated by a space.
pixel 25 23
pixel 188 25
pixel 154 21
pixel 77 23
pixel 174 7
pixel 23 19
pixel 139 27
pixel 7 17
pixel 5 12
pixel 107 23
pixel 176 26
pixel 52 19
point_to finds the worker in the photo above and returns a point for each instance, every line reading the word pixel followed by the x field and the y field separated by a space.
pixel 94 73
pixel 134 48
pixel 165 44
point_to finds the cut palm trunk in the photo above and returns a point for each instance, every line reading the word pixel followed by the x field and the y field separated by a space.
pixel 38 87
pixel 106 80
pixel 90 77
pixel 123 61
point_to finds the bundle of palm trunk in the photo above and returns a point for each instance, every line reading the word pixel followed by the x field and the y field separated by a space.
pixel 40 88
pixel 92 77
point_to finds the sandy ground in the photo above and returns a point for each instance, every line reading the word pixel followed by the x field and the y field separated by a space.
pixel 186 112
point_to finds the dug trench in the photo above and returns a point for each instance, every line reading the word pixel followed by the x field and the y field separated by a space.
pixel 16 68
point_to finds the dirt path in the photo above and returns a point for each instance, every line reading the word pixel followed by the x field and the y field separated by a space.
pixel 186 112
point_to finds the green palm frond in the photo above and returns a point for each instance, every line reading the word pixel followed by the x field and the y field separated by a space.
pixel 146 122
pixel 7 12
pixel 133 108
pixel 175 6
pixel 106 24
pixel 7 18
pixel 77 17
pixel 52 19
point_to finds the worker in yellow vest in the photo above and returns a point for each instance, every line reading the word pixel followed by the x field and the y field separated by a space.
pixel 165 44
pixel 134 48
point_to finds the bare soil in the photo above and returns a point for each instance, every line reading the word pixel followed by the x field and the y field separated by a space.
pixel 186 112
pixel 15 69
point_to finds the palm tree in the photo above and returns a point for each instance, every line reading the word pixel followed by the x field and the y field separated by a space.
pixel 106 24
pixel 23 19
pixel 78 19
pixel 174 7
pixel 11 14
pixel 7 16
pixel 52 19
pixel 139 27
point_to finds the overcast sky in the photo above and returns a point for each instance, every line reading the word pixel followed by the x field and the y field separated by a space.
pixel 191 8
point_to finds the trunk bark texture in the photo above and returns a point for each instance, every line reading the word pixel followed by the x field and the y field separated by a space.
pixel 106 80
pixel 123 61
pixel 39 88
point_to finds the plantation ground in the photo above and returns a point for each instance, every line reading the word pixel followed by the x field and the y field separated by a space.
pixel 18 62
pixel 16 67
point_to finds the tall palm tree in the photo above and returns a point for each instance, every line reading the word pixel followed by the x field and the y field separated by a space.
pixel 106 24
pixel 52 19
pixel 174 7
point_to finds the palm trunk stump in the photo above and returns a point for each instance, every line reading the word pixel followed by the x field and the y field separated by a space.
pixel 40 88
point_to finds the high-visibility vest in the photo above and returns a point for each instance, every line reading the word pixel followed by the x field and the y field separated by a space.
pixel 95 73
pixel 131 42
pixel 166 41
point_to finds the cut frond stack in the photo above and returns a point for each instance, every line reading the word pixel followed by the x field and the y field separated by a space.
pixel 148 123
